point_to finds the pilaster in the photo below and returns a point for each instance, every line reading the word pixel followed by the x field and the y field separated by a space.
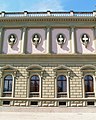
pixel 48 45
pixel 95 31
pixel 73 40
pixel 95 37
pixel 1 30
pixel 23 40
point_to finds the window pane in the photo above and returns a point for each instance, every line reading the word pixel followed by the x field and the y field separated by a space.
pixel 61 84
pixel 88 83
pixel 8 84
pixel 65 86
pixel 5 85
pixel 34 84
pixel 34 78
pixel 61 77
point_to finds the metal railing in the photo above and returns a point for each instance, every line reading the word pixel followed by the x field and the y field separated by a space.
pixel 48 13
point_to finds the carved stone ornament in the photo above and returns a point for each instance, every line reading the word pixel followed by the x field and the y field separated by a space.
pixel 85 40
pixel 61 39
pixel 12 40
pixel 36 39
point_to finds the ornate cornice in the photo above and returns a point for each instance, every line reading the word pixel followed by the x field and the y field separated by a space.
pixel 48 19
pixel 46 56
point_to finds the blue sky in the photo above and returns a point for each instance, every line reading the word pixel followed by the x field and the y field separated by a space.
pixel 44 5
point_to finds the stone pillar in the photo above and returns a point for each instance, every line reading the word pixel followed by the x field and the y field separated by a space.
pixel 48 86
pixel 1 30
pixel 21 86
pixel 48 41
pixel 73 40
pixel 76 87
pixel 23 40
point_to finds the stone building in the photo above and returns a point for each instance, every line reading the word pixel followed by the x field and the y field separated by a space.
pixel 48 58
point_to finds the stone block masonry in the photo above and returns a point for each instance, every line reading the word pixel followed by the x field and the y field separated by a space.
pixel 48 86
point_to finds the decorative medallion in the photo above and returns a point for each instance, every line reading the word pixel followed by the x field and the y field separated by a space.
pixel 12 40
pixel 85 39
pixel 36 39
pixel 61 39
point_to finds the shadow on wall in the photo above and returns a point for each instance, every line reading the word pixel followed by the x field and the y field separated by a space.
pixel 40 46
pixel 15 47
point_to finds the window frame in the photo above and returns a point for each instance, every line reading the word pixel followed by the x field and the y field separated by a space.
pixel 8 84
pixel 88 93
pixel 34 69
pixel 13 84
pixel 62 70
pixel 88 83
pixel 62 81
pixel 28 93
pixel 56 89
pixel 35 80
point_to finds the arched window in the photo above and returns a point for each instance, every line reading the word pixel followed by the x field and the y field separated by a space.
pixel 88 80
pixel 8 83
pixel 61 83
pixel 34 85
pixel 7 89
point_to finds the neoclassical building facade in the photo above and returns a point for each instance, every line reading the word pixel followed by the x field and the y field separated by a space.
pixel 48 59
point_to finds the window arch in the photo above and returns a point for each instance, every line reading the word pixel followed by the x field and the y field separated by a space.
pixel 61 83
pixel 88 80
pixel 7 86
pixel 34 83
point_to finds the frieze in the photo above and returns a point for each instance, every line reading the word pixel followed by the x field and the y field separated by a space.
pixel 51 19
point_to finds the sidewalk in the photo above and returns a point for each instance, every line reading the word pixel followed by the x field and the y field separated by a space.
pixel 54 113
pixel 49 109
pixel 46 116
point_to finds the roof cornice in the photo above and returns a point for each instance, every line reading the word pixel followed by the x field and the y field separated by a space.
pixel 48 19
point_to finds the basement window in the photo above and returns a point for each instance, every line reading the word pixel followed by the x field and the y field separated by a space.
pixel 91 103
pixel 62 103
pixel 34 103
pixel 6 102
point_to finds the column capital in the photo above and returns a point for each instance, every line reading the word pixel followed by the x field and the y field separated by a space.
pixel 72 27
pixel 48 26
pixel 24 27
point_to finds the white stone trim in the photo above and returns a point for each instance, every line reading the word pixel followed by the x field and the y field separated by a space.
pixel 23 40
pixel 67 77
pixel 83 83
pixel 1 32
pixel 48 41
pixel 73 40
pixel 13 82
